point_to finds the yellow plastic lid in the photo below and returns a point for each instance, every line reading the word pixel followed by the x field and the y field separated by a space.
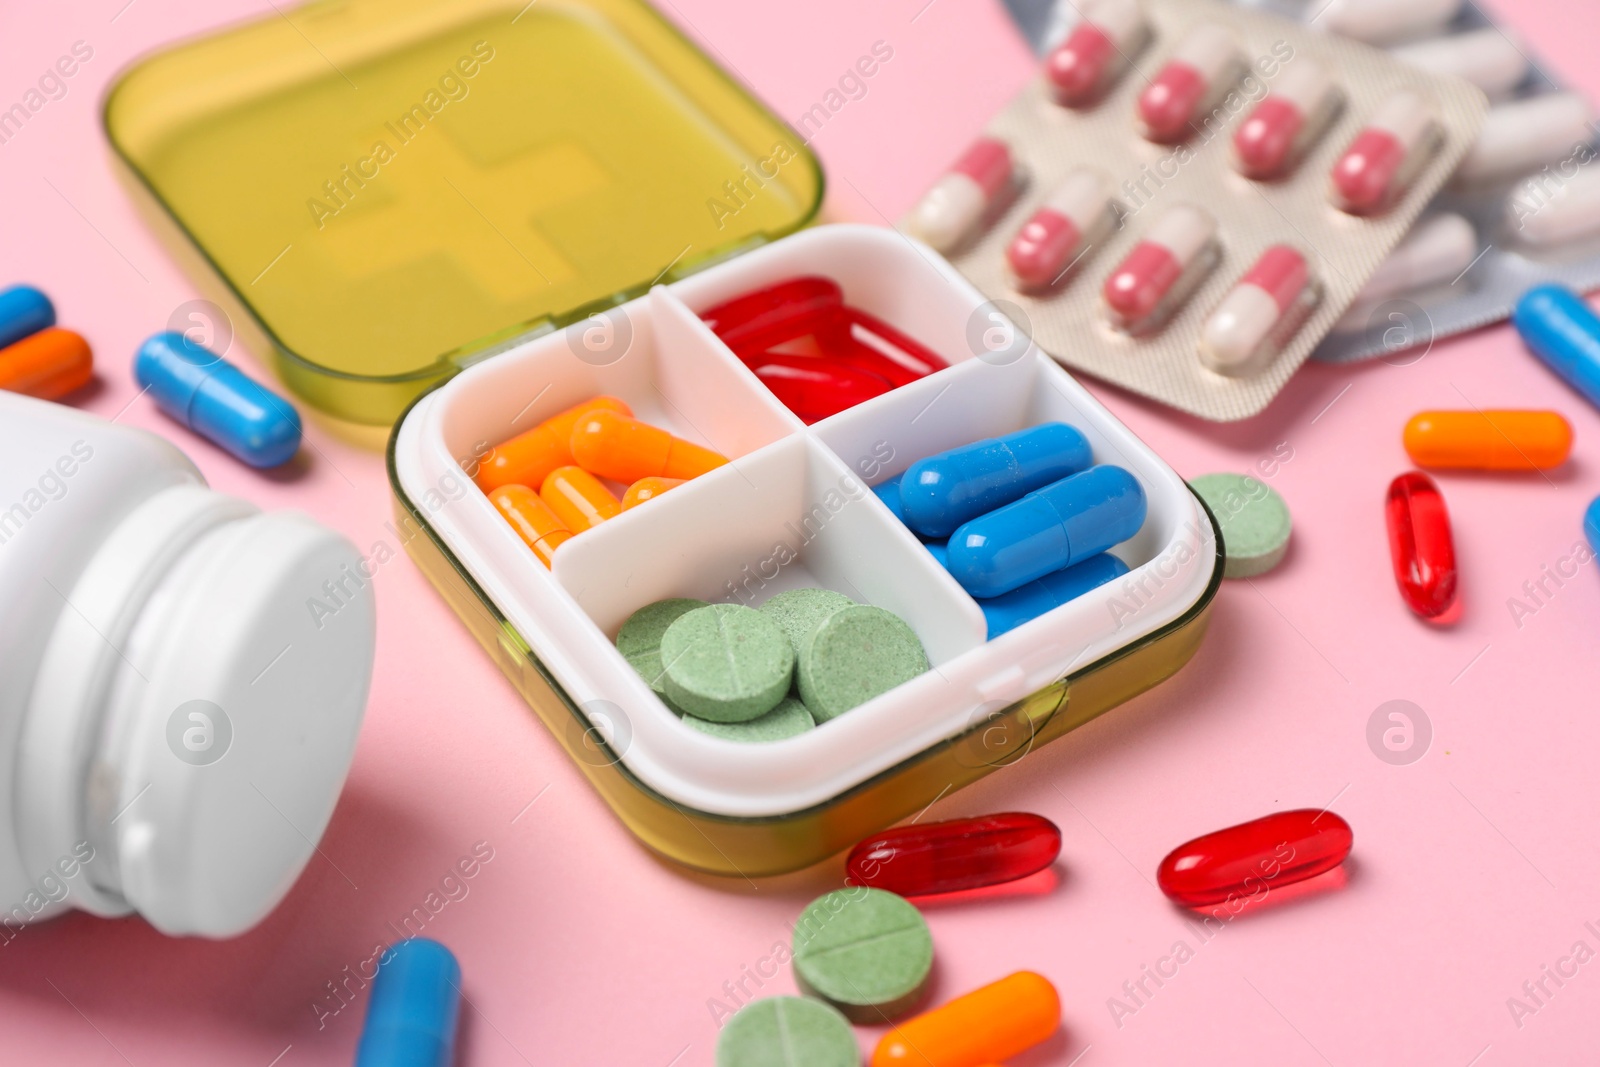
pixel 394 188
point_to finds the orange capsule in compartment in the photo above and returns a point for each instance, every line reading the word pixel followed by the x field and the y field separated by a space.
pixel 532 518
pixel 1488 440
pixel 624 449
pixel 528 458
pixel 578 498
pixel 987 1025
pixel 48 364
pixel 648 489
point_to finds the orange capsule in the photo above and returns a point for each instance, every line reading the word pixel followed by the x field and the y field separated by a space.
pixel 985 1026
pixel 532 518
pixel 48 364
pixel 1488 440
pixel 648 489
pixel 528 458
pixel 624 449
pixel 578 498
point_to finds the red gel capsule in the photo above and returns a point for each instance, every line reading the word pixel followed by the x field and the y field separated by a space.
pixel 1254 858
pixel 787 306
pixel 1420 544
pixel 947 857
pixel 850 336
pixel 815 387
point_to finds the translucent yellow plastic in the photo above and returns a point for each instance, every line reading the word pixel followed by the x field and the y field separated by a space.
pixel 393 188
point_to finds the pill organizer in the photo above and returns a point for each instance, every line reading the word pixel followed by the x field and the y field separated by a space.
pixel 1342 249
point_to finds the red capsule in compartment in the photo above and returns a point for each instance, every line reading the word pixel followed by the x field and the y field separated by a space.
pixel 1250 860
pixel 851 336
pixel 1420 545
pixel 947 857
pixel 787 305
pixel 814 387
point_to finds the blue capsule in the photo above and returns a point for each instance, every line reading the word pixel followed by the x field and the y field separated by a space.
pixel 889 493
pixel 1591 524
pixel 416 1000
pixel 24 311
pixel 1559 328
pixel 217 401
pixel 1050 528
pixel 943 491
pixel 1010 610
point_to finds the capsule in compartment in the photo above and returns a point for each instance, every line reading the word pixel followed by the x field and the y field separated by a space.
pixel 1006 612
pixel 1194 79
pixel 217 400
pixel 1162 270
pixel 940 492
pixel 948 857
pixel 1244 863
pixel 1420 545
pixel 615 446
pixel 529 457
pixel 815 387
pixel 774 308
pixel 1282 128
pixel 1075 215
pixel 531 518
pixel 1260 313
pixel 972 190
pixel 1097 51
pixel 1488 440
pixel 1386 155
pixel 648 489
pixel 578 498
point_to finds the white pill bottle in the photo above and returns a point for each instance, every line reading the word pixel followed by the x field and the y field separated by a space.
pixel 178 706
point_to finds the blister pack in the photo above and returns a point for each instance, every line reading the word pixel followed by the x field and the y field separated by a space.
pixel 1223 182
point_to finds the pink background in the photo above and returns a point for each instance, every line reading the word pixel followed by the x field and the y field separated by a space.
pixel 1472 869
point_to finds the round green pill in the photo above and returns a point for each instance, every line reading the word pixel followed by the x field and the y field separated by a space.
pixel 788 719
pixel 787 1032
pixel 726 663
pixel 639 640
pixel 866 951
pixel 1254 521
pixel 799 610
pixel 853 655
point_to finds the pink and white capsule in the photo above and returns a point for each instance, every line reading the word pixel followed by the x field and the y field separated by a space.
pixel 1054 237
pixel 1155 274
pixel 958 202
pixel 1250 314
pixel 1196 74
pixel 1084 65
pixel 1375 170
pixel 1280 129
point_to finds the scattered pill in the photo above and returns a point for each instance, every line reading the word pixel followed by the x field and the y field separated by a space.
pixel 1008 611
pixel 1562 330
pixel 1254 520
pixel 1082 67
pixel 789 719
pixel 1163 268
pixel 776 307
pixel 1543 218
pixel 864 951
pixel 528 458
pixel 48 364
pixel 1488 440
pixel 532 519
pixel 853 655
pixel 1059 233
pixel 1490 58
pixel 24 310
pixel 639 639
pixel 815 387
pixel 1259 314
pixel 1251 859
pixel 988 1025
pixel 612 445
pixel 1278 132
pixel 579 499
pixel 1199 71
pixel 413 1009
pixel 1420 544
pixel 1522 135
pixel 1434 253
pixel 1382 21
pixel 797 611
pixel 787 1032
pixel 889 493
pixel 1591 524
pixel 957 204
pixel 944 490
pixel 216 400
pixel 1379 165
pixel 948 857
pixel 726 663
pixel 648 489
pixel 1050 528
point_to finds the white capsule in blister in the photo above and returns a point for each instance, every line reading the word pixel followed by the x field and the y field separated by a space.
pixel 1525 134
pixel 1382 21
pixel 1553 209
pixel 1263 309
pixel 1434 253
pixel 1489 58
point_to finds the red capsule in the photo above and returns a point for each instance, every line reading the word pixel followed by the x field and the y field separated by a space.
pixel 946 857
pixel 787 305
pixel 1420 544
pixel 1250 860
pixel 850 336
pixel 814 387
